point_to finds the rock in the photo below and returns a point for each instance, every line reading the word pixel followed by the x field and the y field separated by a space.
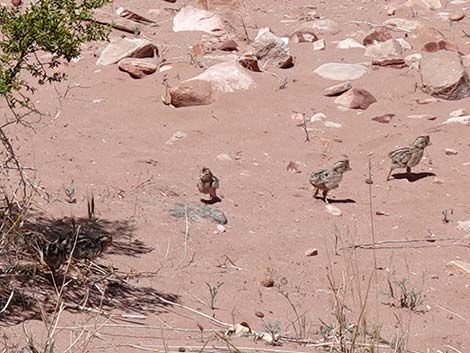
pixel 196 213
pixel 458 112
pixel 199 49
pixel 303 37
pixel 432 47
pixel 459 265
pixel 404 44
pixel 349 43
pixel 191 93
pixel 191 18
pixel 220 228
pixel 384 119
pixel 463 226
pixel 333 210
pixel 336 90
pixel 228 45
pixel 226 77
pixel 223 157
pixel 426 100
pixel 130 15
pixel 388 49
pixel 425 4
pixel 137 68
pixel 123 48
pixel 356 98
pixel 393 62
pixel 271 49
pixel 249 62
pixel 341 71
pixel 178 135
pixel 292 167
pixel 332 124
pixel 400 23
pixel 259 314
pixel 426 34
pixel 16 3
pixel 311 252
pixel 465 120
pixel 317 117
pixel 450 152
pixel 443 75
pixel 319 45
pixel 325 27
pixel 413 60
pixel 378 35
pixel 422 116
pixel 456 16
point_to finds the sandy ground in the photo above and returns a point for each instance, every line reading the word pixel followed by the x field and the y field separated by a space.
pixel 110 139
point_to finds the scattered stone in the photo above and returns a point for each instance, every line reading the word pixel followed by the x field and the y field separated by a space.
pixel 292 167
pixel 220 228
pixel 199 49
pixel 384 119
pixel 317 117
pixel 450 152
pixel 333 210
pixel 267 282
pixel 259 314
pixel 463 226
pixel 16 3
pixel 425 4
pixel 456 16
pixel 228 45
pixel 249 62
pixel 226 77
pixel 400 23
pixel 197 213
pixel 303 37
pixel 413 60
pixel 130 15
pixel 349 43
pixel 458 112
pixel 356 98
pixel 422 116
pixel 123 48
pixel 378 35
pixel 443 75
pixel 311 252
pixel 319 45
pixel 404 44
pixel 388 49
pixel 432 47
pixel 223 157
pixel 426 100
pixel 326 27
pixel 341 71
pixel 336 90
pixel 191 93
pixel 137 68
pixel 459 265
pixel 332 124
pixel 465 120
pixel 178 135
pixel 191 18
pixel 393 62
pixel 271 49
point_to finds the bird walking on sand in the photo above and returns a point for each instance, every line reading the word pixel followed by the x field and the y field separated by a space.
pixel 54 255
pixel 329 179
pixel 208 184
pixel 90 248
pixel 408 157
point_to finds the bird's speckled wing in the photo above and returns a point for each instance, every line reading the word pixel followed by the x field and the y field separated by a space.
pixel 401 155
pixel 321 177
pixel 215 182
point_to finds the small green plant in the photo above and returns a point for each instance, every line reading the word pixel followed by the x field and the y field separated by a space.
pixel 409 297
pixel 213 290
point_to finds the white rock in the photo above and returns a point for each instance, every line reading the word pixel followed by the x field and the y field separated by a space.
pixel 121 48
pixel 450 152
pixel 332 124
pixel 349 43
pixel 317 117
pixel 463 226
pixel 458 112
pixel 191 18
pixel 465 120
pixel 178 135
pixel 383 50
pixel 319 44
pixel 400 23
pixel 333 210
pixel 404 44
pixel 224 157
pixel 220 228
pixel 341 71
pixel 226 77
pixel 325 26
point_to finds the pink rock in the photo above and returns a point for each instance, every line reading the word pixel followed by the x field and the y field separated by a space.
pixel 311 252
pixel 303 37
pixel 228 45
pixel 137 68
pixel 378 35
pixel 336 90
pixel 191 93
pixel 292 167
pixel 356 98
pixel 384 119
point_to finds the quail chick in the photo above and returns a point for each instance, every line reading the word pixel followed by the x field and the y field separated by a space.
pixel 408 157
pixel 54 255
pixel 90 248
pixel 329 179
pixel 208 184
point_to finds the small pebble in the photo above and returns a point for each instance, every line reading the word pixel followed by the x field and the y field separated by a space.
pixel 311 252
pixel 450 152
pixel 259 314
pixel 267 282
pixel 456 16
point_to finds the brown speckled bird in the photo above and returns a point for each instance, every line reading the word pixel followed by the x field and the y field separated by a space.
pixel 54 255
pixel 408 157
pixel 208 184
pixel 329 179
pixel 90 247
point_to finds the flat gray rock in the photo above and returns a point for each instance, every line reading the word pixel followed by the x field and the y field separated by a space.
pixel 341 71
pixel 197 212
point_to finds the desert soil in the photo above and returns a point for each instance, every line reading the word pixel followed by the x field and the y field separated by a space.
pixel 109 134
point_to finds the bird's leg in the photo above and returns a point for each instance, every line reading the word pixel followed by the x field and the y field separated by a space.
pixel 316 192
pixel 214 197
pixel 408 170
pixel 389 174
pixel 324 196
